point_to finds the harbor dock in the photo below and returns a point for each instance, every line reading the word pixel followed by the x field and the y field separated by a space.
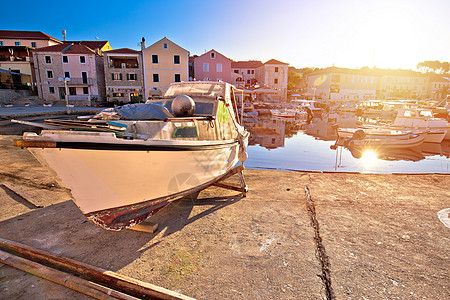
pixel 296 235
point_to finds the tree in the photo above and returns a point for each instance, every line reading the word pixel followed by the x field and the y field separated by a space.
pixel 294 80
pixel 434 66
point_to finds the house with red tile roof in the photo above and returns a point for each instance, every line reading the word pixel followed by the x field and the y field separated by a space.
pixel 244 73
pixel 15 53
pixel 274 75
pixel 94 45
pixel 212 66
pixel 124 77
pixel 81 66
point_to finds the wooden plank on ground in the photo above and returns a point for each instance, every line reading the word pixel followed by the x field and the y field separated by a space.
pixel 75 283
pixel 101 276
pixel 19 192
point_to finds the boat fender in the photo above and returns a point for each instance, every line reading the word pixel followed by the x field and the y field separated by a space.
pixel 359 135
pixel 183 106
pixel 242 154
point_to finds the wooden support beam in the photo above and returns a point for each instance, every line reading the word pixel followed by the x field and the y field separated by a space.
pixel 75 283
pixel 104 277
pixel 229 186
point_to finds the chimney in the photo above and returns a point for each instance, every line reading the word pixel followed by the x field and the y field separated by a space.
pixel 143 43
pixel 64 35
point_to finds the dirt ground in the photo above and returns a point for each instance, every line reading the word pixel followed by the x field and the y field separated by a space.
pixel 356 236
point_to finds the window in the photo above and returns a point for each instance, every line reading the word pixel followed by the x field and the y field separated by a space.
pixel 48 60
pixel 248 71
pixel 165 46
pixel 236 71
pixel 82 59
pixel 176 59
pixel 155 77
pixel 118 94
pixel 253 71
pixel 17 43
pixel 212 55
pixel 116 76
pixel 275 81
pixel 154 58
pixel 276 69
pixel 132 76
pixel 219 68
pixel 33 44
pixel 85 90
pixel 51 90
pixel 1 43
pixel 65 59
pixel 205 67
pixel 66 74
pixel 49 74
pixel 177 77
pixel 72 91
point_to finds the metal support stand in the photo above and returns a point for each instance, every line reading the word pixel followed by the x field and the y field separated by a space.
pixel 243 186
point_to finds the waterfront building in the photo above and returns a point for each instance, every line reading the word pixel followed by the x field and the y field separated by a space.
pixel 164 62
pixel 123 75
pixel 243 73
pixel 274 75
pixel 15 55
pixel 340 84
pixel 402 84
pixel 439 87
pixel 82 66
pixel 212 66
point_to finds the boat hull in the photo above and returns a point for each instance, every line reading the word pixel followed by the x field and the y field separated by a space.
pixel 117 189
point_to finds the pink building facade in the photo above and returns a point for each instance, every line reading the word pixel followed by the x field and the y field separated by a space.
pixel 212 66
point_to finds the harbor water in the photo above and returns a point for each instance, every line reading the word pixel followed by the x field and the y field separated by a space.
pixel 290 145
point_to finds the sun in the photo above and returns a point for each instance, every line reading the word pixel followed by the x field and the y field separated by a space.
pixel 369 158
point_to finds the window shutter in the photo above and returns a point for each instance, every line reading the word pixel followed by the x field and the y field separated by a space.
pixel 128 76
pixel 112 76
pixel 120 76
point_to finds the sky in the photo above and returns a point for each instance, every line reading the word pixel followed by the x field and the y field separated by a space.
pixel 304 33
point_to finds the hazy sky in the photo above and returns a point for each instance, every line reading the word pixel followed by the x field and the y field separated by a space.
pixel 303 33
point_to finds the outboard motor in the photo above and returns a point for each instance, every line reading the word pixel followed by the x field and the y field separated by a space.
pixel 183 106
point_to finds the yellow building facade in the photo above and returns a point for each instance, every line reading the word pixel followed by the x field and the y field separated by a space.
pixel 164 62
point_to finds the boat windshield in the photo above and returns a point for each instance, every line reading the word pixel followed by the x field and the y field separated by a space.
pixel 203 107
pixel 196 89
pixel 426 113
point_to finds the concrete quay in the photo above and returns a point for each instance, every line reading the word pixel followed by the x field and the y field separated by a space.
pixel 295 236
pixel 40 110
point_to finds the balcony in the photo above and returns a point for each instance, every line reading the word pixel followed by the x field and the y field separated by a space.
pixel 123 63
pixel 14 58
pixel 80 81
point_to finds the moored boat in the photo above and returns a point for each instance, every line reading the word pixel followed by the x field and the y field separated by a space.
pixel 378 137
pixel 123 167
pixel 421 118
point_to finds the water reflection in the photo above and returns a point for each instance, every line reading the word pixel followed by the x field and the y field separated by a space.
pixel 301 144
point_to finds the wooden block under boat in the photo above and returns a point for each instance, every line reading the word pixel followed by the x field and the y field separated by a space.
pixel 145 227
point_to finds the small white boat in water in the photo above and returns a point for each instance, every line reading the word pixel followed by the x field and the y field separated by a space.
pixel 422 118
pixel 378 137
pixel 123 168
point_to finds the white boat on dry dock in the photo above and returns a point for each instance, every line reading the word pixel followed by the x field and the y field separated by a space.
pixel 123 167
